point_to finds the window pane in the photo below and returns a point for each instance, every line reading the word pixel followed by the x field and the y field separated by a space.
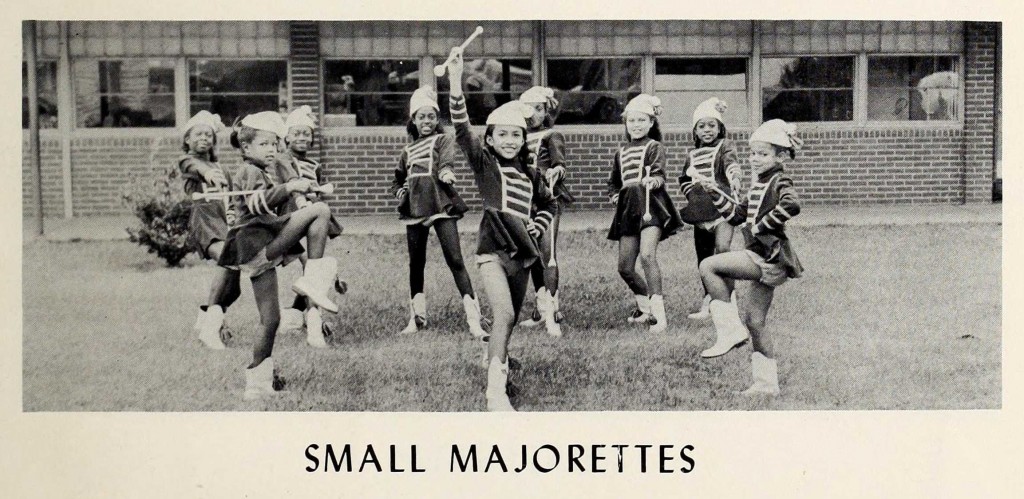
pixel 376 92
pixel 234 88
pixel 593 90
pixel 682 84
pixel 807 88
pixel 46 85
pixel 125 93
pixel 488 83
pixel 913 88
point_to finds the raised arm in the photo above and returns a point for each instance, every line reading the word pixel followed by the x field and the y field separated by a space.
pixel 468 142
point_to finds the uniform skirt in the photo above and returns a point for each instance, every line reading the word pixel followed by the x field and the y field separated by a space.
pixel 428 199
pixel 207 224
pixel 700 207
pixel 629 213
pixel 507 237
pixel 249 239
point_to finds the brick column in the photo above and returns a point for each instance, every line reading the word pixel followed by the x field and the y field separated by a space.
pixel 979 110
pixel 304 67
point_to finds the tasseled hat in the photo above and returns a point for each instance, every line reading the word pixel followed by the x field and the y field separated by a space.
pixel 779 133
pixel 644 103
pixel 512 113
pixel 424 96
pixel 711 108
pixel 204 118
pixel 539 95
pixel 301 116
pixel 268 121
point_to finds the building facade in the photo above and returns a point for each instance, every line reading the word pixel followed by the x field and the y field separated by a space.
pixel 891 111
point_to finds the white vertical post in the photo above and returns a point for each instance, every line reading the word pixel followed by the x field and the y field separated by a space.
pixel 65 115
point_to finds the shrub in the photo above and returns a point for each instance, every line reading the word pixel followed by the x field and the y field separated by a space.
pixel 163 209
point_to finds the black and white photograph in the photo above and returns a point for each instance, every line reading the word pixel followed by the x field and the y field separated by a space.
pixel 366 219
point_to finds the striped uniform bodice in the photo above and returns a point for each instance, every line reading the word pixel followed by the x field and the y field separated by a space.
pixel 533 141
pixel 631 163
pixel 307 169
pixel 419 156
pixel 702 159
pixel 756 197
pixel 229 207
pixel 516 192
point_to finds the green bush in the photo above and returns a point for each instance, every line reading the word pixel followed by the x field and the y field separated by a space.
pixel 163 209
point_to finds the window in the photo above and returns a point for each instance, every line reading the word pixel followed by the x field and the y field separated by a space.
pixel 487 84
pixel 593 91
pixel 234 88
pixel 125 93
pixel 46 85
pixel 682 84
pixel 373 92
pixel 807 88
pixel 913 88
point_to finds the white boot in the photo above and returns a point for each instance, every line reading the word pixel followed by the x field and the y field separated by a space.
pixel 497 378
pixel 705 310
pixel 417 314
pixel 658 310
pixel 729 331
pixel 548 314
pixel 766 376
pixel 315 328
pixel 473 318
pixel 198 326
pixel 209 329
pixel 317 279
pixel 291 319
pixel 259 381
pixel 643 310
pixel 543 302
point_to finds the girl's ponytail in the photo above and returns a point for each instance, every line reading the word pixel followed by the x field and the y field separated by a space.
pixel 235 126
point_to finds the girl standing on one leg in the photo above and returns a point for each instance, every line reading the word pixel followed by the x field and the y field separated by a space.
pixel 644 213
pixel 547 151
pixel 208 223
pixel 424 185
pixel 266 236
pixel 714 157
pixel 508 235
pixel 296 163
pixel 768 260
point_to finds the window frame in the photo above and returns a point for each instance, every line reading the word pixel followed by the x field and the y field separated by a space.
pixel 590 126
pixel 857 95
pixel 748 83
pixel 188 79
pixel 73 116
pixel 56 91
pixel 960 71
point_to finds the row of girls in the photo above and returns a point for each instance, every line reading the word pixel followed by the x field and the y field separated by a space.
pixel 519 169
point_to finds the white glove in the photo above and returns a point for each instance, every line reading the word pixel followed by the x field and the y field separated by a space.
pixel 534 229
pixel 402 191
pixel 447 176
pixel 653 182
pixel 615 198
pixel 214 176
pixel 553 175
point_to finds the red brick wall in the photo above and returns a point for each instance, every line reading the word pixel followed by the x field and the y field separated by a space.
pixel 979 110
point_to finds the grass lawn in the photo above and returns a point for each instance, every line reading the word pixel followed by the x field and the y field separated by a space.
pixel 885 318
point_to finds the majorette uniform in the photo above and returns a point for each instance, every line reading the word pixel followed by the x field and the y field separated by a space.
pixel 508 189
pixel 209 220
pixel 628 169
pixel 426 198
pixel 292 166
pixel 547 150
pixel 261 216
pixel 709 161
pixel 771 202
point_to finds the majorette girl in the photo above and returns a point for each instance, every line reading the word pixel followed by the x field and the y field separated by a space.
pixel 768 260
pixel 209 220
pixel 508 235
pixel 547 152
pixel 266 236
pixel 296 163
pixel 424 185
pixel 644 213
pixel 714 157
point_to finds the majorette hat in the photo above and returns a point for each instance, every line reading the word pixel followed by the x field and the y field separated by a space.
pixel 268 121
pixel 711 108
pixel 779 133
pixel 539 95
pixel 512 113
pixel 644 103
pixel 301 116
pixel 204 117
pixel 424 96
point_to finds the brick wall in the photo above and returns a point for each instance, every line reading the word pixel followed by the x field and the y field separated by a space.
pixel 53 187
pixel 979 110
